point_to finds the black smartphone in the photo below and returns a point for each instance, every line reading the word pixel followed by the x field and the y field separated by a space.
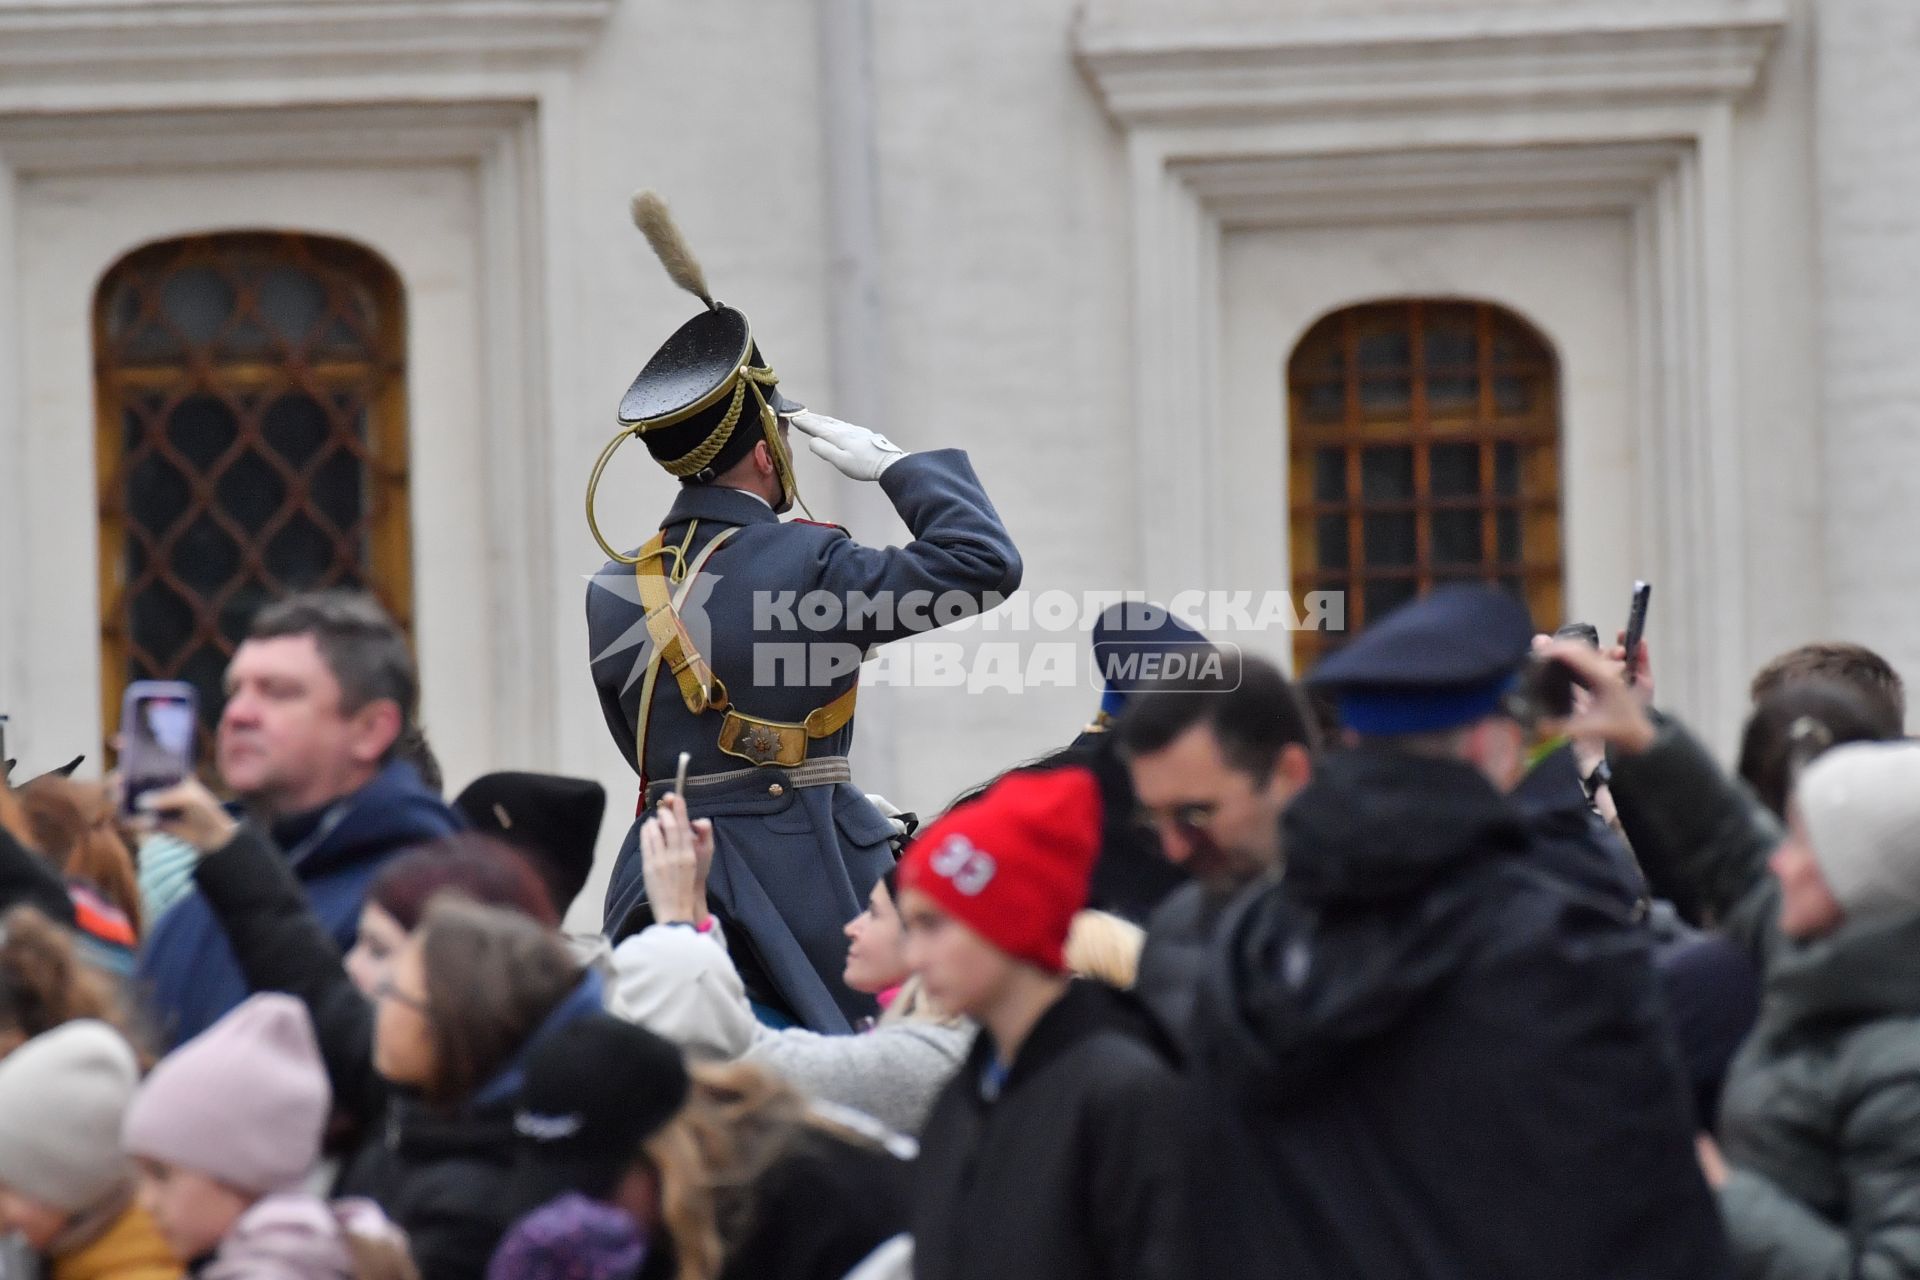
pixel 1636 624
pixel 157 720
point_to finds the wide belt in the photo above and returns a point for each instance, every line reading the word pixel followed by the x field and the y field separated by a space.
pixel 766 742
pixel 822 771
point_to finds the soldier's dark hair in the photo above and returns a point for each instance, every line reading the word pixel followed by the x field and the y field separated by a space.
pixel 1796 722
pixel 359 642
pixel 1852 664
pixel 1253 720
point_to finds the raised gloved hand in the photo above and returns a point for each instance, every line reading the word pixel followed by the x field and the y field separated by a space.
pixel 855 452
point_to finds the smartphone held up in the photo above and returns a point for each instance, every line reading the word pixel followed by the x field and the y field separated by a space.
pixel 1636 626
pixel 1545 689
pixel 157 721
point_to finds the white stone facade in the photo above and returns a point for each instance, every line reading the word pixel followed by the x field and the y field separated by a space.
pixel 1078 239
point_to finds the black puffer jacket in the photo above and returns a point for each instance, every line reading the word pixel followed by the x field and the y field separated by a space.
pixel 1174 954
pixel 1066 1172
pixel 1425 1056
pixel 439 1174
pixel 1712 991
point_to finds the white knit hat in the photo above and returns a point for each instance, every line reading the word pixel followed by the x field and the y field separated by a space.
pixel 1861 806
pixel 63 1095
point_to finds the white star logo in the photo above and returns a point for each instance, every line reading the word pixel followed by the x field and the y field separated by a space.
pixel 624 585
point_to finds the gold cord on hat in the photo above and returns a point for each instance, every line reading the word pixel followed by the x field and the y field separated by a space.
pixel 655 221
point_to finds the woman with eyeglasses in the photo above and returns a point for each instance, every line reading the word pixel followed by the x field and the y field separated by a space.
pixel 474 990
pixel 282 946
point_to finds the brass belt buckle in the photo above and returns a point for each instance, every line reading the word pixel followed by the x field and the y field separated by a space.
pixel 762 741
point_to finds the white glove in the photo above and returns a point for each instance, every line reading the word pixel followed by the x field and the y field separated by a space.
pixel 854 452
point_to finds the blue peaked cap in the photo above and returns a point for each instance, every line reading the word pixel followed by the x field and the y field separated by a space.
pixel 1435 663
pixel 1127 631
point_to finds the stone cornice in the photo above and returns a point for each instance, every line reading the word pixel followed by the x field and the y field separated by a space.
pixel 1570 53
pixel 100 38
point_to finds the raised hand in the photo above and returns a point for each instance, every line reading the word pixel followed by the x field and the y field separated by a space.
pixel 1614 713
pixel 190 813
pixel 853 451
pixel 675 856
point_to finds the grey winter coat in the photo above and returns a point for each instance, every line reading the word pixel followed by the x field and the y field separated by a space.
pixel 1820 1121
pixel 682 985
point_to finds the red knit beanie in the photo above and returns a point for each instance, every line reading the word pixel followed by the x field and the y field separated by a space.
pixel 1013 864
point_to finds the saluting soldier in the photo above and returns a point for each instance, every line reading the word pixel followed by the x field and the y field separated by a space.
pixel 735 636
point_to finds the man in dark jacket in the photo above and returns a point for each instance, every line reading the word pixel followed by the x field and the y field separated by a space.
pixel 1213 767
pixel 1425 1054
pixel 1711 990
pixel 317 697
pixel 1049 1153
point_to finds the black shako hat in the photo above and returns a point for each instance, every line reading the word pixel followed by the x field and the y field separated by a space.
pixel 593 1092
pixel 707 396
pixel 695 401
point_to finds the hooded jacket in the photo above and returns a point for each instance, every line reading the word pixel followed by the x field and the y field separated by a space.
pixel 1424 1055
pixel 186 962
pixel 682 985
pixel 1820 1119
pixel 1065 1171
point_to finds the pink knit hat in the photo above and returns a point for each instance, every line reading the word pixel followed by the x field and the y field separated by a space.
pixel 245 1102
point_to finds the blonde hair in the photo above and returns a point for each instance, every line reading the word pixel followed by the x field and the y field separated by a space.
pixel 1105 947
pixel 738 1121
pixel 912 1004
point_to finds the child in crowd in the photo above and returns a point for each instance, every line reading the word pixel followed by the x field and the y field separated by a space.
pixel 636 1167
pixel 1048 1154
pixel 66 1185
pixel 226 1131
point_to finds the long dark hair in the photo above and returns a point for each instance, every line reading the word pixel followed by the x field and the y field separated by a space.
pixel 492 977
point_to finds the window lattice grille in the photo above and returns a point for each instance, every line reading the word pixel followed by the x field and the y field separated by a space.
pixel 251 442
pixel 1424 449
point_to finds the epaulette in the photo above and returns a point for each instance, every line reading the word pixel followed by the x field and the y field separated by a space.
pixel 820 524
